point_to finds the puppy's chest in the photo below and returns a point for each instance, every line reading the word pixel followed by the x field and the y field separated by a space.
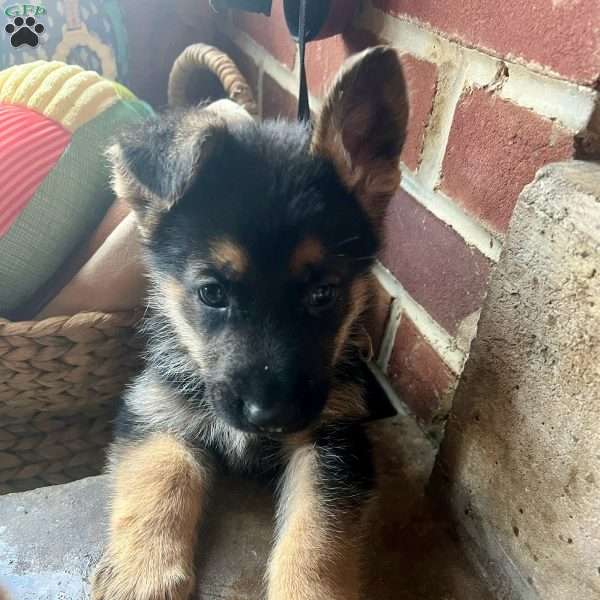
pixel 151 405
pixel 241 452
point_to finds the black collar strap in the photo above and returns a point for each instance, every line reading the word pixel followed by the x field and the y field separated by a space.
pixel 307 20
pixel 303 102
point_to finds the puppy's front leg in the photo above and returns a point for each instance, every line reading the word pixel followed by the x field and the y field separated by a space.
pixel 159 488
pixel 321 516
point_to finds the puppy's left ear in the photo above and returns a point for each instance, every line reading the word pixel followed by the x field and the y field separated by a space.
pixel 362 127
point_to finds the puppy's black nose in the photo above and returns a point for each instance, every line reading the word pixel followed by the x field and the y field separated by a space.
pixel 271 416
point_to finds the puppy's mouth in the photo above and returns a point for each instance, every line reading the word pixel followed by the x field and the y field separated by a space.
pixel 275 430
pixel 279 431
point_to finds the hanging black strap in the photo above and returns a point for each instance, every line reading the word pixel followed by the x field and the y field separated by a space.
pixel 303 102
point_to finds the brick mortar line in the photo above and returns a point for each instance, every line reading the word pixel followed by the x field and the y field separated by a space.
pixel 389 335
pixel 436 138
pixel 402 408
pixel 569 103
pixel 397 403
pixel 446 210
pixel 264 60
pixel 439 339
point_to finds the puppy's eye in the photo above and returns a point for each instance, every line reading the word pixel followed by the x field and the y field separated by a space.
pixel 213 295
pixel 322 296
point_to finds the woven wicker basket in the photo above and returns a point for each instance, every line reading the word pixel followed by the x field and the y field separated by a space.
pixel 60 377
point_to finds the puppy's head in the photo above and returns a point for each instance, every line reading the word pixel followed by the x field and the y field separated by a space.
pixel 260 238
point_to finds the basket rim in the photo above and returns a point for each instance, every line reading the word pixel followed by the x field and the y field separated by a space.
pixel 198 57
pixel 68 322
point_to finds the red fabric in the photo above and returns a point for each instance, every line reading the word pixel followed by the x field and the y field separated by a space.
pixel 30 145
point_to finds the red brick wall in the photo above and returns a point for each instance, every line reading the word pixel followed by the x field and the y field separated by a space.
pixel 497 89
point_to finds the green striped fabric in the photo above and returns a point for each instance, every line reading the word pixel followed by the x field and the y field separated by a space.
pixel 65 210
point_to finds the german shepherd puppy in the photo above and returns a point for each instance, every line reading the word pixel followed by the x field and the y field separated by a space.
pixel 259 241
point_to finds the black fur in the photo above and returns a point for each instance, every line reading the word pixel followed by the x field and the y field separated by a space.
pixel 346 472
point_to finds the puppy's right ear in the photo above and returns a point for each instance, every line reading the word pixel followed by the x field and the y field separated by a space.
pixel 154 164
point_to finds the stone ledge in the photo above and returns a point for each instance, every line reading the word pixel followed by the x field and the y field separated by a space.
pixel 50 538
pixel 520 459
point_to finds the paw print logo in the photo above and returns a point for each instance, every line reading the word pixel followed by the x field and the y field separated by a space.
pixel 24 31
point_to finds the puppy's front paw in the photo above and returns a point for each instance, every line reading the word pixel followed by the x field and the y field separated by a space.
pixel 135 578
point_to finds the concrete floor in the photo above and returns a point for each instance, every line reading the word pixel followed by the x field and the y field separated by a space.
pixel 51 537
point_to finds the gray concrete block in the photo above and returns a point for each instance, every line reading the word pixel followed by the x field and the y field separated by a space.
pixel 50 537
pixel 522 451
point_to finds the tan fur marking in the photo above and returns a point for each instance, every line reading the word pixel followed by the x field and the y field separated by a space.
pixel 361 293
pixel 172 297
pixel 345 401
pixel 146 206
pixel 308 252
pixel 159 490
pixel 313 558
pixel 227 254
